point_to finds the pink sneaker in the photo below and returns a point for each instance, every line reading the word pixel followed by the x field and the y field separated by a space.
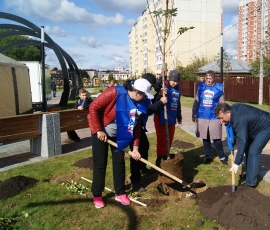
pixel 123 199
pixel 98 202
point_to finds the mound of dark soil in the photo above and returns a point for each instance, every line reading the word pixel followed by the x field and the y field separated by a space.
pixel 174 166
pixel 244 209
pixel 14 185
pixel 182 144
pixel 85 163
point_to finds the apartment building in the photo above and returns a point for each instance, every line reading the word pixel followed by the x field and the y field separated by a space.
pixel 203 41
pixel 250 26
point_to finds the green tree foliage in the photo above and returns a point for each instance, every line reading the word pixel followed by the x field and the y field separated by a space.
pixel 28 53
pixel 84 74
pixel 226 62
pixel 190 71
pixel 110 78
pixel 255 67
pixel 165 17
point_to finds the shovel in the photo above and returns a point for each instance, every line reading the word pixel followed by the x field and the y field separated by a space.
pixel 230 141
pixel 192 185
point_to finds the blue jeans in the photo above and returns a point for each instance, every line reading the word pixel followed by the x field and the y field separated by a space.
pixel 253 154
pixel 208 148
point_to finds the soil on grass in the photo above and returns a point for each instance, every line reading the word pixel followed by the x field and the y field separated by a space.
pixel 85 163
pixel 14 185
pixel 182 144
pixel 244 209
pixel 177 189
pixel 154 204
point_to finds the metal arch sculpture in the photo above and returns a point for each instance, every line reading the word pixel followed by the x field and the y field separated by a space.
pixel 23 43
pixel 55 47
pixel 20 30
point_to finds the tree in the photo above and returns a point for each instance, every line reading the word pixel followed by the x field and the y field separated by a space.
pixel 226 61
pixel 255 67
pixel 29 53
pixel 84 74
pixel 110 78
pixel 265 48
pixel 190 71
pixel 165 17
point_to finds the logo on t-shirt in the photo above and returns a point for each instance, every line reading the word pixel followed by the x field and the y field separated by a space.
pixel 208 96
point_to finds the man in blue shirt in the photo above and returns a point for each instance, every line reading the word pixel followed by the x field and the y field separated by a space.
pixel 251 126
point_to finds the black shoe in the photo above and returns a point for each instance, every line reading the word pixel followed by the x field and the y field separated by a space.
pixel 242 176
pixel 158 161
pixel 224 161
pixel 147 171
pixel 207 160
pixel 226 156
pixel 164 158
pixel 137 187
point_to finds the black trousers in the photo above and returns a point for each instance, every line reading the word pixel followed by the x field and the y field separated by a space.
pixel 136 166
pixel 100 158
pixel 73 135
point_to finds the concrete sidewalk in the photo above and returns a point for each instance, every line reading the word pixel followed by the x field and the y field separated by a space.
pixel 18 153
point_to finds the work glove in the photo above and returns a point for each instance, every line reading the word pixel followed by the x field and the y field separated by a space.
pixel 234 168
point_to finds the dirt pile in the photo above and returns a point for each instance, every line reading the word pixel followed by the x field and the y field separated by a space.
pixel 14 185
pixel 245 209
pixel 85 163
pixel 174 166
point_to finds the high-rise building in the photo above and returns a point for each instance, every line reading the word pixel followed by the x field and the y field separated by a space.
pixel 250 26
pixel 203 41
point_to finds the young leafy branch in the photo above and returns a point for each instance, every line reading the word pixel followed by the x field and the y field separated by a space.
pixel 73 186
pixel 168 14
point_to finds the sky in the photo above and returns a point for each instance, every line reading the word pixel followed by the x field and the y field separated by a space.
pixel 95 32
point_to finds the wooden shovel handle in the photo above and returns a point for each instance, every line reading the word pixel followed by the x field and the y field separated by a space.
pixel 233 175
pixel 153 166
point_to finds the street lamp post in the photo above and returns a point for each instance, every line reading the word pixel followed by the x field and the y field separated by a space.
pixel 261 56
pixel 44 98
pixel 221 60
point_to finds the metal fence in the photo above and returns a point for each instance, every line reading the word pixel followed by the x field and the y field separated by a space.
pixel 240 89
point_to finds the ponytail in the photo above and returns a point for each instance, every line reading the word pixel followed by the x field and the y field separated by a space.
pixel 128 85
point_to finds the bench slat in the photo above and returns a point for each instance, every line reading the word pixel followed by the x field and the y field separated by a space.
pixel 18 122
pixel 73 121
pixel 19 128
pixel 19 136
pixel 21 117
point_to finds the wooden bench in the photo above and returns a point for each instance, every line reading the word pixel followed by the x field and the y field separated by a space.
pixel 38 128
pixel 28 126
pixel 73 119
pixel 20 127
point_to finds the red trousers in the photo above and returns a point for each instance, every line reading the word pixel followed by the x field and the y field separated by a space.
pixel 161 136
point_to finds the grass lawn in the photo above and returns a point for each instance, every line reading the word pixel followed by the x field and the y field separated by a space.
pixel 50 205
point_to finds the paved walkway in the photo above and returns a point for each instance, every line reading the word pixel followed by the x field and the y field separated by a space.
pixel 18 153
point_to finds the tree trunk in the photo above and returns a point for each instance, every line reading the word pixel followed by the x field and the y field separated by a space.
pixel 164 68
